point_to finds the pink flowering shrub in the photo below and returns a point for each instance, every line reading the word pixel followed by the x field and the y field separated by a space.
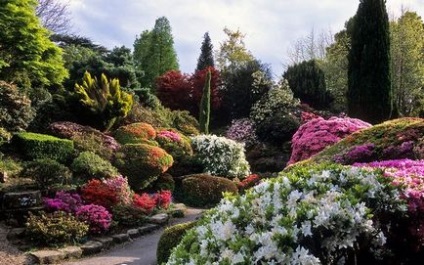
pixel 170 135
pixel 63 201
pixel 163 199
pixel 96 216
pixel 315 135
pixel 176 144
pixel 121 189
pixel 306 116
pixel 242 130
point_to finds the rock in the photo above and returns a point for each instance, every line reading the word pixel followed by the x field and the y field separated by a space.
pixel 47 256
pixel 147 228
pixel 91 247
pixel 23 199
pixel 15 233
pixel 160 218
pixel 107 241
pixel 71 252
pixel 133 233
pixel 120 238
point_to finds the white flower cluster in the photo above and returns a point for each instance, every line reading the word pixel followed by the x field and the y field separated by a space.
pixel 309 218
pixel 221 156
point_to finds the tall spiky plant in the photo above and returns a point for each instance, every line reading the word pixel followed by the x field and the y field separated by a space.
pixel 205 105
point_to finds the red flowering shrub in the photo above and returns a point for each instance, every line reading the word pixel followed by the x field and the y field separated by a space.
pixel 138 132
pixel 163 199
pixel 145 202
pixel 248 182
pixel 315 135
pixel 100 193
pixel 97 217
pixel 142 163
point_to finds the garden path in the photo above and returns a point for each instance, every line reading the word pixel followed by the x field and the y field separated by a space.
pixel 141 251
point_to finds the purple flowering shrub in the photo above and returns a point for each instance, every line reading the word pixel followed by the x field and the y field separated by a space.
pixel 242 130
pixel 96 216
pixel 63 201
pixel 313 136
pixel 359 153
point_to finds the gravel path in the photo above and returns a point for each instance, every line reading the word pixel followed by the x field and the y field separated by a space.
pixel 141 251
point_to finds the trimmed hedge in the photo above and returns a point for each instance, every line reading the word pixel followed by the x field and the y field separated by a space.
pixel 203 190
pixel 89 165
pixel 170 238
pixel 39 146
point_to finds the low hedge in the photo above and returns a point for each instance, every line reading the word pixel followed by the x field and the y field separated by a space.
pixel 39 146
pixel 170 238
pixel 204 190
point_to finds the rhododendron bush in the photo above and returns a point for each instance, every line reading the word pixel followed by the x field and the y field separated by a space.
pixel 313 136
pixel 242 130
pixel 148 202
pixel 96 216
pixel 221 156
pixel 326 214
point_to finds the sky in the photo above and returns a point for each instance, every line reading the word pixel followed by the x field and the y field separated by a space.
pixel 271 27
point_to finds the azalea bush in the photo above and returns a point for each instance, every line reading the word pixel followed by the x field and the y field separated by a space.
pixel 248 182
pixel 148 202
pixel 97 192
pixel 242 130
pixel 325 214
pixel 96 216
pixel 63 201
pixel 315 135
pixel 221 156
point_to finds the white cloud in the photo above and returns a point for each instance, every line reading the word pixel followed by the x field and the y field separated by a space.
pixel 270 26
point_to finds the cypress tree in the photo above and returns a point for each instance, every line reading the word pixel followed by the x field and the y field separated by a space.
pixel 205 105
pixel 206 54
pixel 369 94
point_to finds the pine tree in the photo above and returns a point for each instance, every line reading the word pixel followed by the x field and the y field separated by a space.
pixel 369 93
pixel 154 52
pixel 206 56
pixel 205 105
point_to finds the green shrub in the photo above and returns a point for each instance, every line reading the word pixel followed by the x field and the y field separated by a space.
pixel 278 128
pixel 46 172
pixel 5 136
pixel 37 146
pixel 170 238
pixel 142 163
pixel 203 190
pixel 128 215
pixel 174 143
pixel 135 133
pixel 55 229
pixel 164 182
pixel 89 165
pixel 184 122
pixel 10 166
pixel 15 108
pixel 93 143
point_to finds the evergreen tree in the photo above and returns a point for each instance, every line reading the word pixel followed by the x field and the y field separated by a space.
pixel 205 105
pixel 369 94
pixel 27 56
pixel 307 81
pixel 154 52
pixel 206 56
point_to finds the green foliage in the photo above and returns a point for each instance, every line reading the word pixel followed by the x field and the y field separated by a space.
pixel 105 100
pixel 37 146
pixel 46 172
pixel 203 190
pixel 307 81
pixel 142 163
pixel 5 136
pixel 175 143
pixel 15 108
pixel 55 229
pixel 184 122
pixel 170 238
pixel 92 143
pixel 128 215
pixel 164 182
pixel 10 166
pixel 369 95
pixel 89 165
pixel 278 128
pixel 205 105
pixel 139 132
pixel 407 46
pixel 154 52
pixel 206 55
pixel 27 56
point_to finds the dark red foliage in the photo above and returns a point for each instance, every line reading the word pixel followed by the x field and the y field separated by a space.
pixel 198 81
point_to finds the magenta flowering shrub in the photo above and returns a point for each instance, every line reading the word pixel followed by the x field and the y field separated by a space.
pixel 360 153
pixel 63 201
pixel 96 216
pixel 315 135
pixel 403 150
pixel 242 130
pixel 409 174
pixel 170 135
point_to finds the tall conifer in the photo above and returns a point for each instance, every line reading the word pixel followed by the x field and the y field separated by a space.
pixel 206 54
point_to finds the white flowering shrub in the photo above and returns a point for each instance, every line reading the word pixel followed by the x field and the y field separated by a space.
pixel 319 215
pixel 221 156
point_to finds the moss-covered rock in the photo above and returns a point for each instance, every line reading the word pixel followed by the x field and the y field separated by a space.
pixel 170 238
pixel 203 190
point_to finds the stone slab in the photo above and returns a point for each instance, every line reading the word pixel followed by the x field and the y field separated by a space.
pixel 120 238
pixel 91 247
pixel 47 256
